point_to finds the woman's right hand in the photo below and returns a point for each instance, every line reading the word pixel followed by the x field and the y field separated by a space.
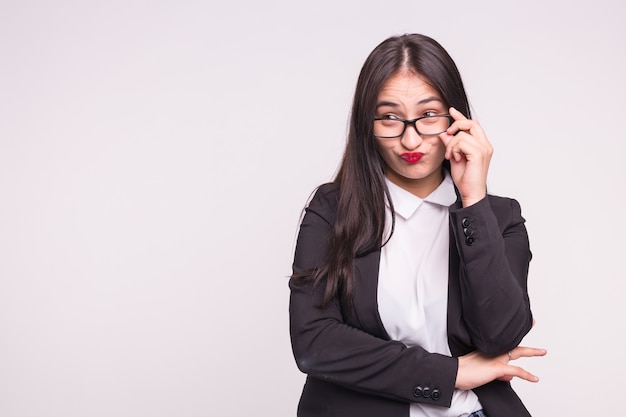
pixel 476 368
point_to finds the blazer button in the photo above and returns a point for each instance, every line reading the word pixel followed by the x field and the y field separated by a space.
pixel 417 392
pixel 470 240
pixel 426 392
pixel 435 395
pixel 468 231
pixel 466 222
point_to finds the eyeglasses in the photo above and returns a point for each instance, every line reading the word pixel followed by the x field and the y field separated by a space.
pixel 388 127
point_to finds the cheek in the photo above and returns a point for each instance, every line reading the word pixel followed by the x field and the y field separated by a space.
pixel 438 150
pixel 386 152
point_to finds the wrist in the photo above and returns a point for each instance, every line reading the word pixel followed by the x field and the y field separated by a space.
pixel 471 200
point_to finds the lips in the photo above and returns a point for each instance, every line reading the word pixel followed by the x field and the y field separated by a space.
pixel 412 157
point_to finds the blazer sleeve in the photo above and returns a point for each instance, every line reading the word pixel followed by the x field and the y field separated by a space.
pixel 493 246
pixel 327 348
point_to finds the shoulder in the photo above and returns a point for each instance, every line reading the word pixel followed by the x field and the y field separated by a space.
pixel 328 193
pixel 324 201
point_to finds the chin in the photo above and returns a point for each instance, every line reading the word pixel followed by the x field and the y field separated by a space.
pixel 417 175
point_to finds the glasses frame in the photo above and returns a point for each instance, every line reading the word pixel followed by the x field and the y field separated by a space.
pixel 413 122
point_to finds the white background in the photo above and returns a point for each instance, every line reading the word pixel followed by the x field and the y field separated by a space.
pixel 155 157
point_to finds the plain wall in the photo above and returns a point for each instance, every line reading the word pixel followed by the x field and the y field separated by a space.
pixel 155 157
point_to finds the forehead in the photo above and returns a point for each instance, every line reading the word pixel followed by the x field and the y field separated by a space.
pixel 406 86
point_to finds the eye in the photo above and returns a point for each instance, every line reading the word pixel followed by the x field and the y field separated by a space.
pixel 430 113
pixel 389 117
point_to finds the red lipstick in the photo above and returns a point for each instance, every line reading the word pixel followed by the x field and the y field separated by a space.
pixel 412 157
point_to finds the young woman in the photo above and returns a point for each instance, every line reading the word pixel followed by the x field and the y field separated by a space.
pixel 408 294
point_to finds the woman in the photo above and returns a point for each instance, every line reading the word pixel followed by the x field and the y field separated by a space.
pixel 409 294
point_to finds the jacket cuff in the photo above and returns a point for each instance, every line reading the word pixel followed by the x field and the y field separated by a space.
pixel 475 228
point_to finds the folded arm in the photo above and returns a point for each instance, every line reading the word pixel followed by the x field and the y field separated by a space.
pixel 495 256
pixel 326 347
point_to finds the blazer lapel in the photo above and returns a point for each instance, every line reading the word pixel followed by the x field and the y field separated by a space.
pixel 365 310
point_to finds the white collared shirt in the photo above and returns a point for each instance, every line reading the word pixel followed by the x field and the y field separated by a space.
pixel 413 282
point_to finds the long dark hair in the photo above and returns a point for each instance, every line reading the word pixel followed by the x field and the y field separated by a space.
pixel 360 225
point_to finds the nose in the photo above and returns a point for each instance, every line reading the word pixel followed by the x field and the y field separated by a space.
pixel 411 139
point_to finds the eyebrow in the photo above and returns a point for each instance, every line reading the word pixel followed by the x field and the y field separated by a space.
pixel 424 101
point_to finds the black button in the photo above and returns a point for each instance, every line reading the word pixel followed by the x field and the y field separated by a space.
pixel 470 240
pixel 426 392
pixel 466 222
pixel 435 395
pixel 468 231
pixel 417 391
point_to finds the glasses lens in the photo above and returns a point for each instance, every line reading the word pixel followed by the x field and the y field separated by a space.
pixel 433 125
pixel 388 128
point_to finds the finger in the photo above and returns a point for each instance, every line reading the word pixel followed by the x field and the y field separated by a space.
pixel 466 125
pixel 456 115
pixel 454 152
pixel 462 123
pixel 461 145
pixel 451 144
pixel 520 373
pixel 446 138
pixel 526 352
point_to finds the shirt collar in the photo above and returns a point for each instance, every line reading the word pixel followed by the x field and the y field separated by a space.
pixel 406 204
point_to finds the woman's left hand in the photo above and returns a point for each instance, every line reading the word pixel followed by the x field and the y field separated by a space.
pixel 477 369
pixel 469 153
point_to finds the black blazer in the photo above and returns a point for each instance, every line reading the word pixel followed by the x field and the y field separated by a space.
pixel 353 367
